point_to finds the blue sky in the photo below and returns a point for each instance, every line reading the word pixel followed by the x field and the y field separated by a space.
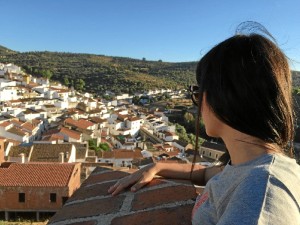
pixel 170 30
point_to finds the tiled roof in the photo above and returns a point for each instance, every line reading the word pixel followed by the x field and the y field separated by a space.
pixel 181 143
pixel 49 152
pixel 167 133
pixel 16 122
pixel 29 126
pixel 53 137
pixel 82 123
pixel 17 131
pixel 36 174
pixel 122 154
pixel 94 111
pixel 81 150
pixel 163 201
pixel 70 133
pixel 134 119
pixel 97 120
pixel 50 132
pixel 5 124
pixel 107 154
pixel 15 151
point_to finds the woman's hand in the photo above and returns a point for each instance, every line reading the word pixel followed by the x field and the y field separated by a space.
pixel 138 179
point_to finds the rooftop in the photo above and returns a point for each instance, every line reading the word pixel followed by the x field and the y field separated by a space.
pixel 36 174
pixel 50 152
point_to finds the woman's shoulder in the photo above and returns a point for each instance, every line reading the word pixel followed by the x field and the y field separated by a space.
pixel 268 168
pixel 276 165
pixel 280 173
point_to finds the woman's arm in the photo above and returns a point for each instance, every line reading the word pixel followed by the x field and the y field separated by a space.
pixel 140 178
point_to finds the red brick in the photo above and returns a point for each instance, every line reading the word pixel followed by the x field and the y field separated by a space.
pixel 161 196
pixel 156 182
pixel 91 191
pixel 89 208
pixel 97 178
pixel 180 215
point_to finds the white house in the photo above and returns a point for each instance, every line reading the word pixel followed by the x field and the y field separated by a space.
pixel 8 94
pixel 181 145
pixel 42 81
pixel 134 124
pixel 169 136
pixel 62 104
pixel 9 131
pixel 7 83
pixel 11 68
pixel 120 157
pixel 70 135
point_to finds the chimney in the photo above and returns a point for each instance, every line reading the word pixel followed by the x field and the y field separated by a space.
pixel 61 157
pixel 22 155
pixel 67 156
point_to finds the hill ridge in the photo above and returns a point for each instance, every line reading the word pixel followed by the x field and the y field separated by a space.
pixel 99 73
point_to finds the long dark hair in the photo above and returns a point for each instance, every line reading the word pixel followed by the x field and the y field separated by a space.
pixel 247 81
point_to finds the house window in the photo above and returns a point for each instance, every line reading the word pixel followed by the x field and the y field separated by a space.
pixel 217 156
pixel 21 197
pixel 52 197
pixel 210 154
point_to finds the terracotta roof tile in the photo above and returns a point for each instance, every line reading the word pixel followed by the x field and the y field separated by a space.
pixel 15 151
pixel 53 137
pixel 134 119
pixel 49 152
pixel 82 123
pixel 124 154
pixel 73 134
pixel 5 124
pixel 36 174
pixel 17 131
pixel 81 150
pixel 17 122
pixel 107 154
pixel 28 126
pixel 97 120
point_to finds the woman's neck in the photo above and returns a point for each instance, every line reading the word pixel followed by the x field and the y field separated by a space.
pixel 243 148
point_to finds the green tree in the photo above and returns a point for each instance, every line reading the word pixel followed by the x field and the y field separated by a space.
pixel 104 146
pixel 79 84
pixel 66 81
pixel 192 139
pixel 46 74
pixel 180 130
pixel 93 144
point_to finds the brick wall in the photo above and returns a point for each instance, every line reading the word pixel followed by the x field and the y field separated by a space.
pixel 36 198
pixel 163 201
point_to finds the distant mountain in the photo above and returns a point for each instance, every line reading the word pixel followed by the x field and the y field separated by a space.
pixel 101 73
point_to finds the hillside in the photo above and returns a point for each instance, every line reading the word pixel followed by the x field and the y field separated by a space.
pixel 101 73
pixel 5 51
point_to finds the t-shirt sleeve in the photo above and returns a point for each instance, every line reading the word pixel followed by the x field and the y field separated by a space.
pixel 261 199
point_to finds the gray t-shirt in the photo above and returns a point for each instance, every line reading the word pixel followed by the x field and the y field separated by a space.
pixel 263 191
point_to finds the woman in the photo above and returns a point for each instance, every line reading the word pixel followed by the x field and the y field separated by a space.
pixel 244 97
